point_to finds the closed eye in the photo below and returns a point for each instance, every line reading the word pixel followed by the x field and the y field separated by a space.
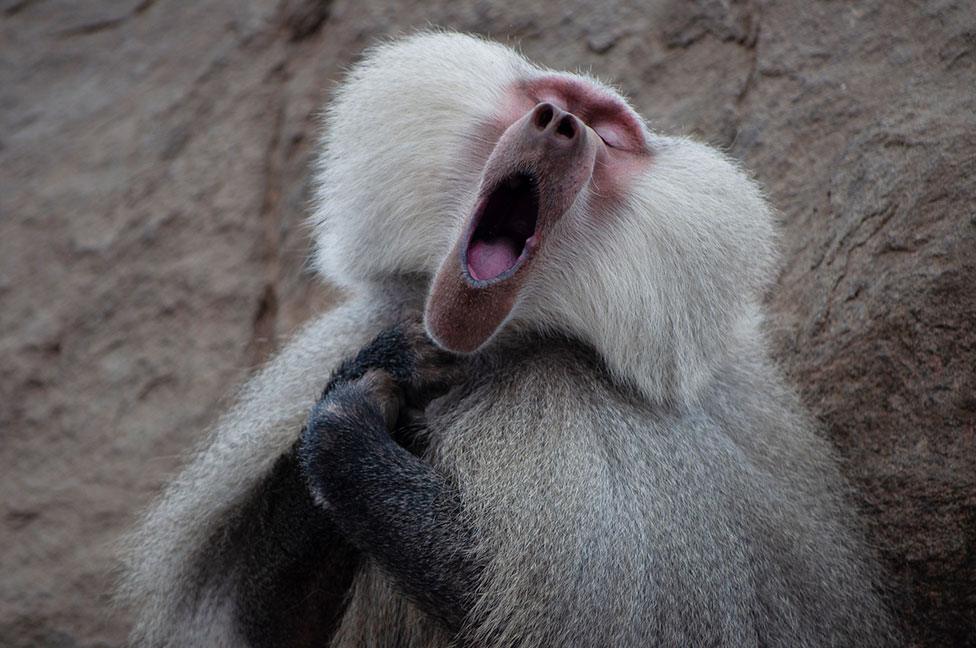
pixel 610 136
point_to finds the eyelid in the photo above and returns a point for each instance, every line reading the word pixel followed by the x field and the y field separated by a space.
pixel 610 136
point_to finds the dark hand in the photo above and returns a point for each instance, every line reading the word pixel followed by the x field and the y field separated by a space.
pixel 388 384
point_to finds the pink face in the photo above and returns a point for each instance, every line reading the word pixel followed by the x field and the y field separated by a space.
pixel 624 152
pixel 552 137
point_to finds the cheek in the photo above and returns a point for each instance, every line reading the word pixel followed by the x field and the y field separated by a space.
pixel 615 173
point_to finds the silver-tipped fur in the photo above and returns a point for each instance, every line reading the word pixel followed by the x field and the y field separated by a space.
pixel 636 468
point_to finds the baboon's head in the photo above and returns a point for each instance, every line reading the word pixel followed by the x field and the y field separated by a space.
pixel 541 200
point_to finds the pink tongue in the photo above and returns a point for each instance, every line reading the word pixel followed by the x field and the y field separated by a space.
pixel 488 260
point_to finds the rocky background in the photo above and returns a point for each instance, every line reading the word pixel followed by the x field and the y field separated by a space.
pixel 154 159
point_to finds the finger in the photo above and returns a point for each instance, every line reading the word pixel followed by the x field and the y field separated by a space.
pixel 385 393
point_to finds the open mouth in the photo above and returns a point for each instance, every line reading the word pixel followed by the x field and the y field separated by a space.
pixel 505 230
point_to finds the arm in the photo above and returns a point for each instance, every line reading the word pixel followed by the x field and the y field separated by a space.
pixel 200 556
pixel 388 503
pixel 294 566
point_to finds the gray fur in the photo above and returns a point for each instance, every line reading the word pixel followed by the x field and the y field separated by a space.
pixel 176 602
pixel 636 469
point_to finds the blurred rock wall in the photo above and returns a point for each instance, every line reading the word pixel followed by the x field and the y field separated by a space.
pixel 154 164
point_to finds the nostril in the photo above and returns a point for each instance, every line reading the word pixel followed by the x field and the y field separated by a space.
pixel 567 127
pixel 543 115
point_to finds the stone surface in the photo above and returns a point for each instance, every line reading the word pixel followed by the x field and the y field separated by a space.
pixel 153 179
